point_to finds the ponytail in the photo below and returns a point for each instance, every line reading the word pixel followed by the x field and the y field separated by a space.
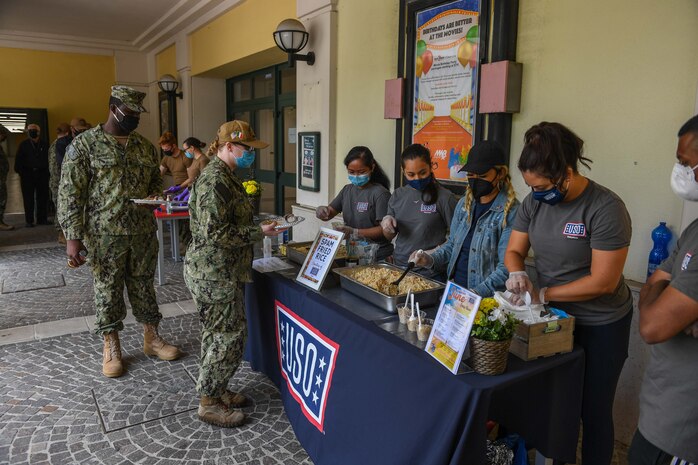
pixel 364 154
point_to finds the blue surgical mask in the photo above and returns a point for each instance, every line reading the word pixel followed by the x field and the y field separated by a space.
pixel 246 160
pixel 552 196
pixel 420 184
pixel 188 154
pixel 359 180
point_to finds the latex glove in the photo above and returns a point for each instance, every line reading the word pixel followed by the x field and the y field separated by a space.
pixel 183 196
pixel 421 259
pixel 389 224
pixel 537 297
pixel 322 213
pixel 347 230
pixel 173 190
pixel 519 282
pixel 692 330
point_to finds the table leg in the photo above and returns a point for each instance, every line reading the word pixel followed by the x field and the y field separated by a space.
pixel 175 240
pixel 161 255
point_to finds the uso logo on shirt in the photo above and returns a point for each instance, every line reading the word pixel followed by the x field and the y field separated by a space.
pixel 307 358
pixel 686 260
pixel 428 208
pixel 361 206
pixel 574 230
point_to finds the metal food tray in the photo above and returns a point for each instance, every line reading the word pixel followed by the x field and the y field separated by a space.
pixel 298 257
pixel 387 302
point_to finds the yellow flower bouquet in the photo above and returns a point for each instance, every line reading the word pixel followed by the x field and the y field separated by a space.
pixel 252 188
pixel 492 323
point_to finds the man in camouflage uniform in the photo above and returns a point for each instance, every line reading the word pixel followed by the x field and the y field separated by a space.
pixel 4 170
pixel 61 143
pixel 217 266
pixel 103 168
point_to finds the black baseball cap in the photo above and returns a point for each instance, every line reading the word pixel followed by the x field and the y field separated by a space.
pixel 484 156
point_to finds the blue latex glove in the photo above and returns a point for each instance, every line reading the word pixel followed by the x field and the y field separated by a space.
pixel 173 190
pixel 183 196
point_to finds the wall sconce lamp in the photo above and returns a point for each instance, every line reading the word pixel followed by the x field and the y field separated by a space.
pixel 168 84
pixel 291 36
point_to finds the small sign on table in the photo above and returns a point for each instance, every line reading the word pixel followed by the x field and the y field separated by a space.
pixel 320 257
pixel 452 325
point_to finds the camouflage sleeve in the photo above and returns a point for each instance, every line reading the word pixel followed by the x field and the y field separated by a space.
pixel 73 192
pixel 220 227
pixel 155 186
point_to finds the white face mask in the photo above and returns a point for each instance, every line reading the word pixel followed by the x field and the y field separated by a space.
pixel 683 182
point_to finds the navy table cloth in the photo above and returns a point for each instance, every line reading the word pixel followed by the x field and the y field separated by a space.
pixel 356 394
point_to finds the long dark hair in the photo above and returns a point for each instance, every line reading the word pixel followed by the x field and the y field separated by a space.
pixel 364 154
pixel 430 194
pixel 549 149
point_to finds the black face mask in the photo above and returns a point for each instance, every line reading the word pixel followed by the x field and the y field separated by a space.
pixel 128 122
pixel 33 133
pixel 480 187
pixel 167 152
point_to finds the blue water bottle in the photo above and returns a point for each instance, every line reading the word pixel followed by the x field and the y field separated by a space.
pixel 661 236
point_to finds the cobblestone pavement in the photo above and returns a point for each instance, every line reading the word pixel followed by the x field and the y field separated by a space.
pixel 58 303
pixel 57 408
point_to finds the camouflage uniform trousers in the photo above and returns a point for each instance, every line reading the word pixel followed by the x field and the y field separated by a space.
pixel 221 309
pixel 123 260
pixel 4 170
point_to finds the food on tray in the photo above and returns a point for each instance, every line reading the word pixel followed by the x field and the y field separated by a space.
pixel 380 279
pixel 424 330
pixel 155 197
pixel 290 218
pixel 266 222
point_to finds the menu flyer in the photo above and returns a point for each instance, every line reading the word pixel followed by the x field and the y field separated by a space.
pixel 320 257
pixel 452 326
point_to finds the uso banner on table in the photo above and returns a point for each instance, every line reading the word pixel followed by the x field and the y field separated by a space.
pixel 307 359
pixel 445 84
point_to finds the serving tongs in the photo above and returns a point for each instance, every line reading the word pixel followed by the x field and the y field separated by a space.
pixel 410 266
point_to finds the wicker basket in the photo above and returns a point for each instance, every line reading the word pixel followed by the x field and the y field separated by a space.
pixel 489 357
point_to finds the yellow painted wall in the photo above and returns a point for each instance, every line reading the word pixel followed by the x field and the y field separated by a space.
pixel 623 75
pixel 166 62
pixel 366 56
pixel 66 84
pixel 244 31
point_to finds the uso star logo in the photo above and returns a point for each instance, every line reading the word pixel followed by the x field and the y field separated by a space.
pixel 686 260
pixel 307 358
pixel 361 207
pixel 575 230
pixel 428 208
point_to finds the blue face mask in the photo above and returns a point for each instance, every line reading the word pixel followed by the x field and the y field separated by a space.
pixel 551 196
pixel 246 160
pixel 188 154
pixel 420 184
pixel 359 180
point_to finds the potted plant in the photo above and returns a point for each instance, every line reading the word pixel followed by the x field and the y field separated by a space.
pixel 490 338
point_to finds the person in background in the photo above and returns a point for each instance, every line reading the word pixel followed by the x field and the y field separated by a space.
pixel 79 125
pixel 4 171
pixel 174 162
pixel 580 232
pixel 193 151
pixel 31 164
pixel 217 266
pixel 364 202
pixel 104 168
pixel 667 432
pixel 473 255
pixel 64 137
pixel 420 213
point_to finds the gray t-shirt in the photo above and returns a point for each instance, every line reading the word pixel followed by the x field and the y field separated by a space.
pixel 364 208
pixel 562 237
pixel 668 404
pixel 420 226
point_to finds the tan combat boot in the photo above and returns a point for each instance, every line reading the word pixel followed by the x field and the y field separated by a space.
pixel 153 344
pixel 233 399
pixel 111 359
pixel 61 237
pixel 212 410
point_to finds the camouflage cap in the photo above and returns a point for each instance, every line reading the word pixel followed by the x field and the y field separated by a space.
pixel 131 98
pixel 239 131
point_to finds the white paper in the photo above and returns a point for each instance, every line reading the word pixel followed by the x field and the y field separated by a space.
pixel 291 135
pixel 320 257
pixel 266 265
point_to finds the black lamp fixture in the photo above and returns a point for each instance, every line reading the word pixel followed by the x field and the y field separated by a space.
pixel 168 84
pixel 291 36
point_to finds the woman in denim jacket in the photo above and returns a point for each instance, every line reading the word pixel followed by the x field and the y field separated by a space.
pixel 482 226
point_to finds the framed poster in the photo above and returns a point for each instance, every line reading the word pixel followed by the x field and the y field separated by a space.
pixel 320 257
pixel 446 51
pixel 309 161
pixel 168 113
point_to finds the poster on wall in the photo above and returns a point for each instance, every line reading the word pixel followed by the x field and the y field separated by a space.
pixel 445 84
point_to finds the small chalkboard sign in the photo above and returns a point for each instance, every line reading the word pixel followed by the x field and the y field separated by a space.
pixel 309 161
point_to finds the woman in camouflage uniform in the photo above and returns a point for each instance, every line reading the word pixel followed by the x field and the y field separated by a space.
pixel 217 266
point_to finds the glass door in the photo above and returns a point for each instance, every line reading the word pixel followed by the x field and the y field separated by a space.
pixel 266 99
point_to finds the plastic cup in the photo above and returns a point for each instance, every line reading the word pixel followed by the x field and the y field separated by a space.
pixel 424 330
pixel 403 312
pixel 412 324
